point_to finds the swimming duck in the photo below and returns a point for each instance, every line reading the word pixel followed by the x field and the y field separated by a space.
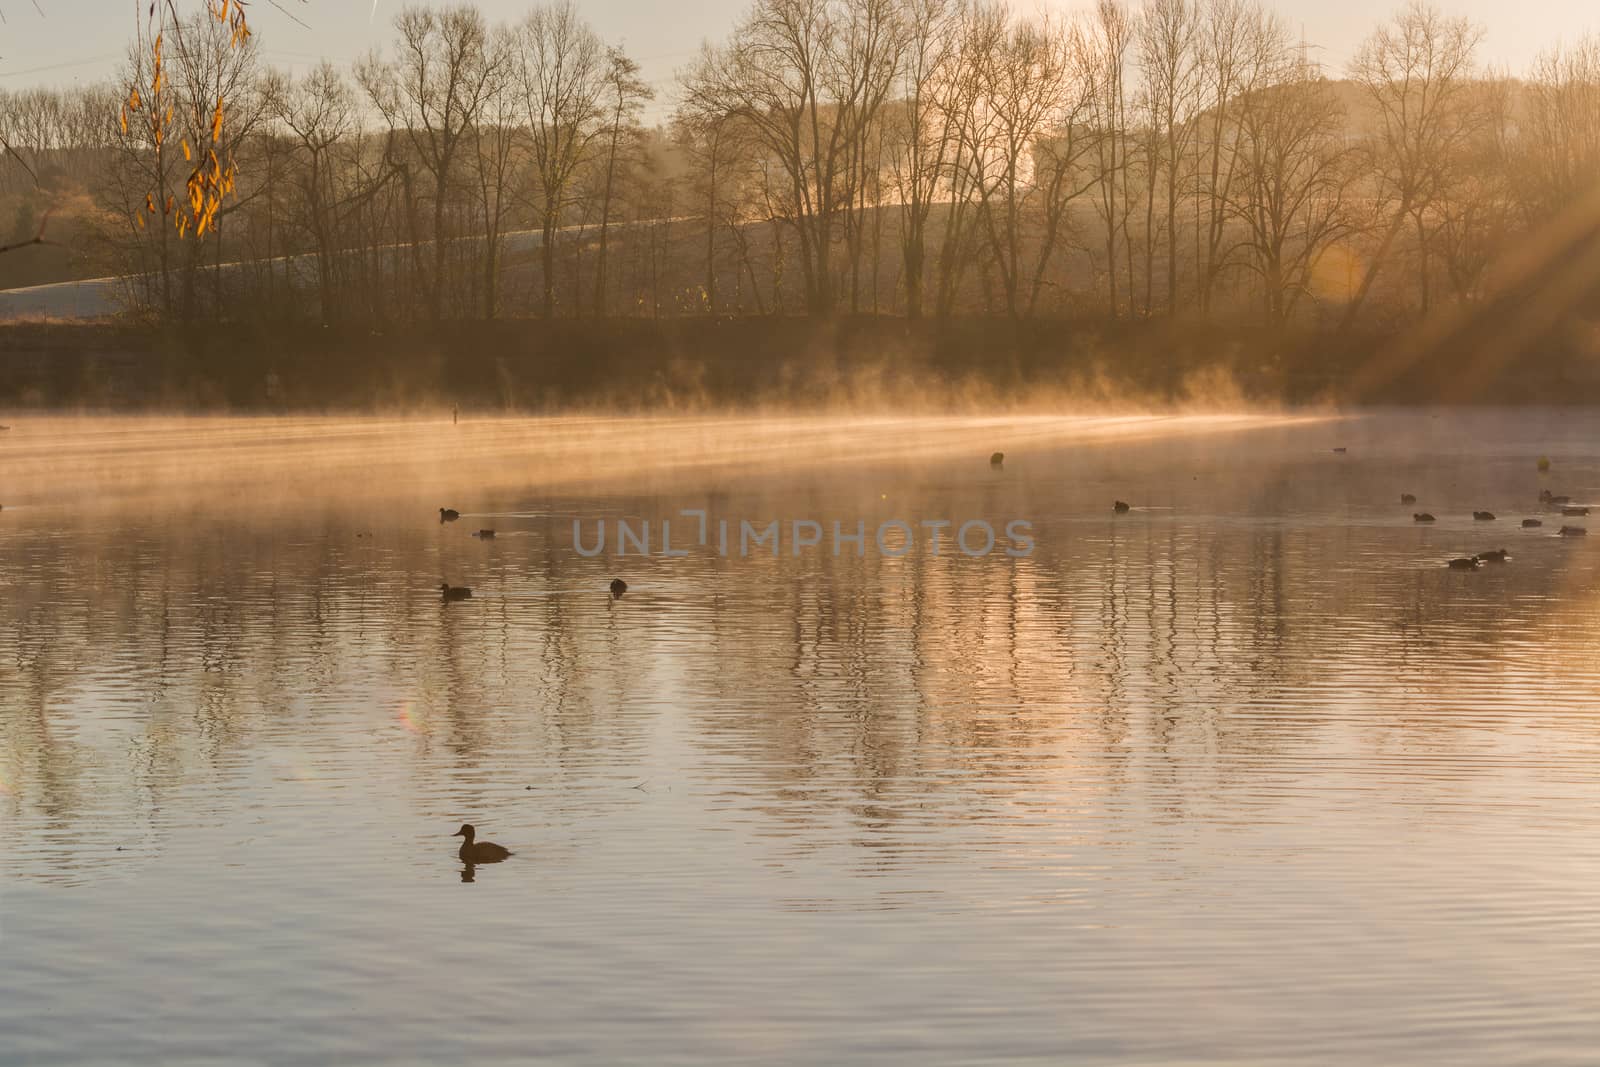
pixel 1483 516
pixel 1340 450
pixel 1408 498
pixel 618 587
pixel 454 592
pixel 1464 563
pixel 1575 510
pixel 1494 555
pixel 484 535
pixel 1120 507
pixel 1421 516
pixel 1574 531
pixel 448 514
pixel 479 851
pixel 1547 497
pixel 997 459
pixel 1528 524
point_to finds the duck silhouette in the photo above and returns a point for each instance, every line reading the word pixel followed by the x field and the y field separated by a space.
pixel 1574 531
pixel 1575 510
pixel 997 459
pixel 618 587
pixel 1483 516
pixel 1421 516
pixel 448 514
pixel 1528 524
pixel 1120 507
pixel 1340 450
pixel 1464 563
pixel 1407 498
pixel 1547 497
pixel 484 535
pixel 1494 555
pixel 479 851
pixel 454 592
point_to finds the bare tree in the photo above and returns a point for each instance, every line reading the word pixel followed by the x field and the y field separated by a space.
pixel 1112 33
pixel 1239 48
pixel 319 110
pixel 1560 140
pixel 1024 80
pixel 1296 172
pixel 563 75
pixel 497 141
pixel 1169 59
pixel 625 96
pixel 808 80
pixel 920 137
pixel 431 96
pixel 1062 170
pixel 1416 74
pixel 871 40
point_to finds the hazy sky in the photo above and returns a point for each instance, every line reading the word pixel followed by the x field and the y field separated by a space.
pixel 81 40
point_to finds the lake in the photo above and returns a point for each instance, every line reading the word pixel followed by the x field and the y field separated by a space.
pixel 1244 775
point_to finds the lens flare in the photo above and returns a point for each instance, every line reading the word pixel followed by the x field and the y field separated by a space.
pixel 406 718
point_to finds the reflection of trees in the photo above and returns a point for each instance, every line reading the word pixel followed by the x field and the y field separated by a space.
pixel 1151 666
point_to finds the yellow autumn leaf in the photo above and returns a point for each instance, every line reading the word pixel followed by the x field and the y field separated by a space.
pixel 186 153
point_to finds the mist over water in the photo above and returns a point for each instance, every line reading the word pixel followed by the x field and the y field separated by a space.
pixel 1244 775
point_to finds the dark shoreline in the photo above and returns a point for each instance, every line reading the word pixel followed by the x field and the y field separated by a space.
pixel 642 364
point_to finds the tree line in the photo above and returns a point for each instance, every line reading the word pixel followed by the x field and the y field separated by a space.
pixel 910 157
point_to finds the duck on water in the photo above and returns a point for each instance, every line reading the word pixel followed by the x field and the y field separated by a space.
pixel 454 592
pixel 479 851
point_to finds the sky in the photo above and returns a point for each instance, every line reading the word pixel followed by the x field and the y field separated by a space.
pixel 61 42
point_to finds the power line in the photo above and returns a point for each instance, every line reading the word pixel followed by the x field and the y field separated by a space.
pixel 58 66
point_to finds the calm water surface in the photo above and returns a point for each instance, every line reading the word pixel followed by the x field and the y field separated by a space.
pixel 1245 776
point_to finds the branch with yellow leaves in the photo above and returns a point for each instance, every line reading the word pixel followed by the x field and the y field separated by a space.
pixel 211 178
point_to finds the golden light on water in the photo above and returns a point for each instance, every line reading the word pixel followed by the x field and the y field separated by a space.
pixel 249 462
